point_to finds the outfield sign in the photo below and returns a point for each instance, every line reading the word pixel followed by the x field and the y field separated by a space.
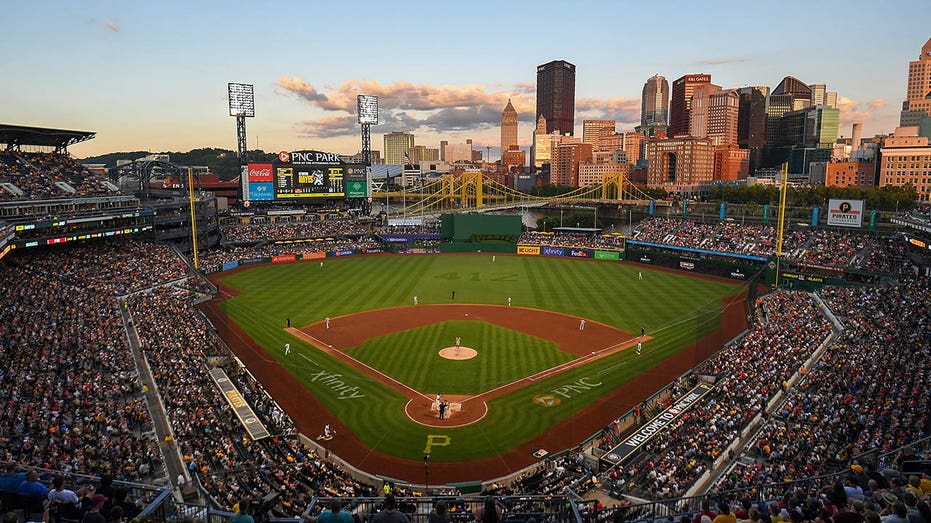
pixel 845 213
pixel 528 250
pixel 242 409
pixel 553 251
pixel 607 255
pixel 626 448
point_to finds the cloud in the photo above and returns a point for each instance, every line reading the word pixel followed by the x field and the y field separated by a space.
pixel 623 110
pixel 877 104
pixel 112 26
pixel 852 112
pixel 719 61
pixel 409 106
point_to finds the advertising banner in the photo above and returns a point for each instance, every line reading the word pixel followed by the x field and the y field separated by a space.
pixel 580 253
pixel 528 250
pixel 313 255
pixel 356 190
pixel 553 251
pixel 254 261
pixel 622 451
pixel 261 191
pixel 845 213
pixel 260 172
pixel 229 265
pixel 607 255
pixel 687 265
pixel 344 252
pixel 284 258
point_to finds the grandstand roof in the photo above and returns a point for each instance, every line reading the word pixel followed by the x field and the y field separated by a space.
pixel 15 136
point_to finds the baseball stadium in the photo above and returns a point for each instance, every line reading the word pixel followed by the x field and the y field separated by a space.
pixel 183 357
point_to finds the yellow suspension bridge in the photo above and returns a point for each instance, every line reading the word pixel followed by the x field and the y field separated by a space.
pixel 473 191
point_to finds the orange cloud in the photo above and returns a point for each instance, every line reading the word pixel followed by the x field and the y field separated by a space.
pixel 112 26
pixel 851 111
pixel 411 106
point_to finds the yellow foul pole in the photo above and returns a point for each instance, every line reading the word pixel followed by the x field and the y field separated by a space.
pixel 782 217
pixel 190 188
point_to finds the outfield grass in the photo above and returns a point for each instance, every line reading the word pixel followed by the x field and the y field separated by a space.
pixel 412 357
pixel 676 310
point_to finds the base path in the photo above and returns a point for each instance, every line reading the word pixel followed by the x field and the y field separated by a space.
pixel 596 341
pixel 310 415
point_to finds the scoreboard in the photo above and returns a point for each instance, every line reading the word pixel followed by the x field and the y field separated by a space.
pixel 303 175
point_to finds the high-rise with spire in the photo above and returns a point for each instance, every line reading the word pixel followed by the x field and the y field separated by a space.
pixel 508 128
pixel 654 106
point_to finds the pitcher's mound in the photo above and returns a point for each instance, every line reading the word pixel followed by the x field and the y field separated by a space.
pixel 458 353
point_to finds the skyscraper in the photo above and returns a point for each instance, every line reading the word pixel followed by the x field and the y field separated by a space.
pixel 680 103
pixel 654 106
pixel 723 111
pixel 508 128
pixel 396 144
pixel 751 123
pixel 917 103
pixel 556 96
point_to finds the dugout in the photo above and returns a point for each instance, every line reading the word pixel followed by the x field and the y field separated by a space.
pixel 479 232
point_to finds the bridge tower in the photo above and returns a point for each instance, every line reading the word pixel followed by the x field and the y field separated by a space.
pixel 612 188
pixel 471 189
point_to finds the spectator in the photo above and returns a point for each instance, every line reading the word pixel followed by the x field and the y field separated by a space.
pixel 390 514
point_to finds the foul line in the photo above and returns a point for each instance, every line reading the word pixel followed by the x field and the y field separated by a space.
pixel 411 393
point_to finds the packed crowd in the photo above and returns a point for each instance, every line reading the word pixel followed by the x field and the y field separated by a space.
pixel 564 239
pixel 36 174
pixel 814 247
pixel 920 215
pixel 69 396
pixel 259 232
pixel 746 376
pixel 729 237
pixel 866 393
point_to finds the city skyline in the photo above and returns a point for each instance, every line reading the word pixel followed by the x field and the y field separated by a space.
pixel 153 77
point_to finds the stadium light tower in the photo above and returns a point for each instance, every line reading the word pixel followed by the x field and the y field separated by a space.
pixel 242 106
pixel 368 116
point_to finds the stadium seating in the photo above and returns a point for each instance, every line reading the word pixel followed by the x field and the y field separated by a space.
pixel 41 176
pixel 70 399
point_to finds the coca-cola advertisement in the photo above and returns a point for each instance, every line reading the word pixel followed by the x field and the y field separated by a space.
pixel 260 172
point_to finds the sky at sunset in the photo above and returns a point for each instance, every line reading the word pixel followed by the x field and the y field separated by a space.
pixel 153 75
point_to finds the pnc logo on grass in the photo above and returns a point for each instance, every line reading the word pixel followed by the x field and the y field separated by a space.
pixel 546 400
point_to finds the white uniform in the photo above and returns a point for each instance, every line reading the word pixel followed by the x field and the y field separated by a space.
pixel 415 300
pixel 287 349
pixel 581 325
pixel 327 321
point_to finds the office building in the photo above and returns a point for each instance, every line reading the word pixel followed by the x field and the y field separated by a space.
pixel 397 143
pixel 731 163
pixel 751 123
pixel 917 103
pixel 679 103
pixel 654 107
pixel 723 114
pixel 567 156
pixel 850 173
pixel 680 164
pixel 594 173
pixel 593 130
pixel 906 158
pixel 459 152
pixel 556 96
pixel 508 128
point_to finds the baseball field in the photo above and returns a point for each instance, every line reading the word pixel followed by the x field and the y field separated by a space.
pixel 526 373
